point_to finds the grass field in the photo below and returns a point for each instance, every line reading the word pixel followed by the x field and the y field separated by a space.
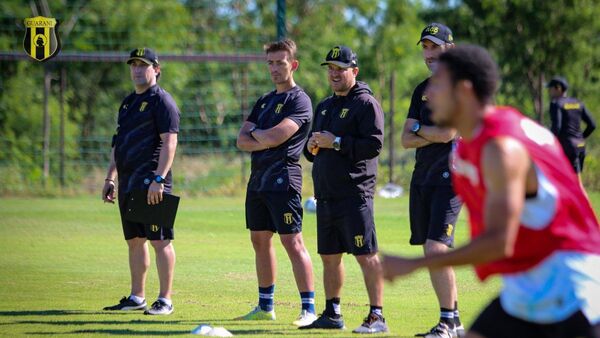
pixel 62 260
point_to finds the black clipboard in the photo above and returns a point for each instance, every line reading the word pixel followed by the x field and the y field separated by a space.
pixel 138 210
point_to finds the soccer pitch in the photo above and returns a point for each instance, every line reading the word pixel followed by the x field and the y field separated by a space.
pixel 62 260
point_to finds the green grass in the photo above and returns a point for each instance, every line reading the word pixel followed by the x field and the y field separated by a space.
pixel 62 260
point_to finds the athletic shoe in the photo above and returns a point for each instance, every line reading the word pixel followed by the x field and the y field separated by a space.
pixel 372 324
pixel 460 332
pixel 326 322
pixel 305 318
pixel 159 308
pixel 127 304
pixel 258 314
pixel 441 330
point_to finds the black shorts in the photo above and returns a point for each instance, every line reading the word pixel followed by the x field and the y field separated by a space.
pixel 494 322
pixel 346 225
pixel 132 230
pixel 433 214
pixel 576 156
pixel 274 211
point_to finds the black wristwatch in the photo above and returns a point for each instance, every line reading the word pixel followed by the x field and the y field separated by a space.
pixel 416 127
pixel 337 143
pixel 159 179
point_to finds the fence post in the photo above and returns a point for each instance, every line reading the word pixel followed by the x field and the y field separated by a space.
pixel 391 137
pixel 281 29
pixel 61 97
pixel 46 126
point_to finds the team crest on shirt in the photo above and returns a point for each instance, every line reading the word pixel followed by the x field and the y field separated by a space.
pixel 344 113
pixel 359 241
pixel 287 218
pixel 154 227
pixel 466 169
pixel 143 105
pixel 278 108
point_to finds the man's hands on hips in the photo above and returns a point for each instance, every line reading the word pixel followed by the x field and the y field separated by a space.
pixel 155 193
pixel 323 139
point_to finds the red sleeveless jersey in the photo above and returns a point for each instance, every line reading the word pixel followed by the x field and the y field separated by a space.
pixel 566 215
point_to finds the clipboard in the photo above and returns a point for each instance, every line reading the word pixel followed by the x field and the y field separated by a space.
pixel 138 210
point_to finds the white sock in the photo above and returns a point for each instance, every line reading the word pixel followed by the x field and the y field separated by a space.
pixel 166 301
pixel 137 299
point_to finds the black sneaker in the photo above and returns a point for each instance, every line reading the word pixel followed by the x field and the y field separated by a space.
pixel 372 324
pixel 159 308
pixel 127 304
pixel 326 322
pixel 441 330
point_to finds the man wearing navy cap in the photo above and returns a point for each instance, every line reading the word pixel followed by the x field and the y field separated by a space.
pixel 142 153
pixel 433 205
pixel 566 114
pixel 346 139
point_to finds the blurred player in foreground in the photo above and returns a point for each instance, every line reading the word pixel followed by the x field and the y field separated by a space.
pixel 530 219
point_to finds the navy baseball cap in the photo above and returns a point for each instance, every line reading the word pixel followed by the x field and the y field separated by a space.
pixel 437 33
pixel 144 54
pixel 558 80
pixel 341 56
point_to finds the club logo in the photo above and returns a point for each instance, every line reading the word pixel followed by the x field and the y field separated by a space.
pixel 449 230
pixel 139 52
pixel 359 241
pixel 278 108
pixel 344 113
pixel 41 40
pixel 335 53
pixel 287 218
pixel 143 105
pixel 433 30
pixel 154 227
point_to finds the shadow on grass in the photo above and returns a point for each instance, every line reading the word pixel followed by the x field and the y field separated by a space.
pixel 44 313
pixel 117 332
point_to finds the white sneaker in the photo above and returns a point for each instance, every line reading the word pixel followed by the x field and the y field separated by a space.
pixel 372 324
pixel 459 332
pixel 305 318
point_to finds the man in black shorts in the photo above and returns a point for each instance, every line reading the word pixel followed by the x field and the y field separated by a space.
pixel 434 207
pixel 142 154
pixel 566 114
pixel 346 139
pixel 275 133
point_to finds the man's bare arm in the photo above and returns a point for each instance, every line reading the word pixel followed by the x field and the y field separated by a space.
pixel 277 135
pixel 505 164
pixel 409 139
pixel 435 134
pixel 245 141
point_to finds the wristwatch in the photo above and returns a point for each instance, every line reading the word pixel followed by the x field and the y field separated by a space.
pixel 252 130
pixel 159 179
pixel 337 143
pixel 416 127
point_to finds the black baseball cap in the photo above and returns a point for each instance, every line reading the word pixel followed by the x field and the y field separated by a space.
pixel 437 33
pixel 143 54
pixel 558 80
pixel 341 56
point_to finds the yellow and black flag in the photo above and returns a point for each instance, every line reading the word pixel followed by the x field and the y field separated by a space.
pixel 41 39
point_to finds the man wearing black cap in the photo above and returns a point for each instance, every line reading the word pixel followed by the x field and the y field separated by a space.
pixel 346 139
pixel 566 114
pixel 434 207
pixel 142 153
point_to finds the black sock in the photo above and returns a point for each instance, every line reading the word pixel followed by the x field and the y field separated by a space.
pixel 456 315
pixel 377 310
pixel 447 317
pixel 332 307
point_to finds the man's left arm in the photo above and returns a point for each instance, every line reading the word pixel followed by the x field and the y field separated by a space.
pixel 165 161
pixel 437 134
pixel 367 143
pixel 505 164
pixel 590 124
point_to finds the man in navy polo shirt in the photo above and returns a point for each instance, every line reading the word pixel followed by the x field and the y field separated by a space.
pixel 566 114
pixel 142 154
pixel 433 204
pixel 274 134
pixel 346 139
